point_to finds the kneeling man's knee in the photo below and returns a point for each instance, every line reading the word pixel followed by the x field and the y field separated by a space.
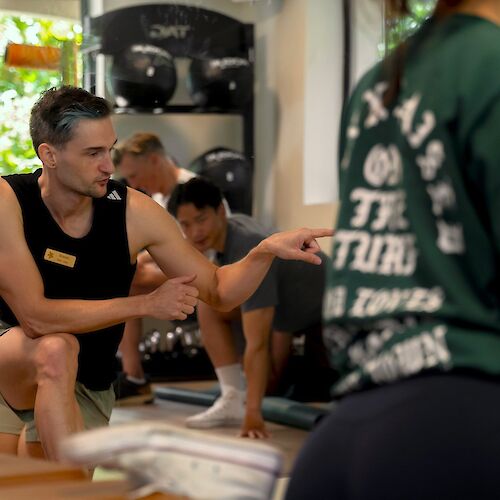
pixel 57 356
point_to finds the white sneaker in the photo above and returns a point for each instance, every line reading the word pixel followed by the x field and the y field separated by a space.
pixel 159 457
pixel 228 410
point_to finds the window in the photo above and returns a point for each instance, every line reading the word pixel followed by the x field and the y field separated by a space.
pixel 20 86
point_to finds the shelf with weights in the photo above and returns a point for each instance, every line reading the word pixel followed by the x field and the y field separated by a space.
pixel 144 45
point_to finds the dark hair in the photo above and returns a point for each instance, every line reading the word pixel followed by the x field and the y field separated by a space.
pixel 199 191
pixel 58 110
pixel 394 64
pixel 397 7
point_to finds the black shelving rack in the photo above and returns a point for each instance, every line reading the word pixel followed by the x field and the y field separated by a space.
pixel 246 113
pixel 210 34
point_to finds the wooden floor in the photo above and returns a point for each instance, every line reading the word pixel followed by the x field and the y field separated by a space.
pixel 287 439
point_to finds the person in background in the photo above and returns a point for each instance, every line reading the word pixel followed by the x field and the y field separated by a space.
pixel 69 223
pixel 412 304
pixel 288 302
pixel 144 164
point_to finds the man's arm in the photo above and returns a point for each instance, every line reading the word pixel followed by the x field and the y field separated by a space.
pixel 21 287
pixel 237 282
pixel 222 288
pixel 148 275
pixel 257 326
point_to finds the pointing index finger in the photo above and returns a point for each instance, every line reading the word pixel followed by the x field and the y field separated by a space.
pixel 321 232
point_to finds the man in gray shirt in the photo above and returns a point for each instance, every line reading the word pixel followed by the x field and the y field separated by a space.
pixel 287 303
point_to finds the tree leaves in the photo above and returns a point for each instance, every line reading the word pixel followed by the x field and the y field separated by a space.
pixel 20 87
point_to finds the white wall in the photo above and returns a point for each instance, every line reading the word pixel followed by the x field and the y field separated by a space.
pixel 267 111
pixel 367 35
pixel 323 96
pixel 280 118
pixel 299 104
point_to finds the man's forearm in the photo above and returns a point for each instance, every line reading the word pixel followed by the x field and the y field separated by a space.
pixel 256 364
pixel 79 316
pixel 237 282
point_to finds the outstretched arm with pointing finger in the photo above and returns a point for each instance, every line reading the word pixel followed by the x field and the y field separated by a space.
pixel 226 287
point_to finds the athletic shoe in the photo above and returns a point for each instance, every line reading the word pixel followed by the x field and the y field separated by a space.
pixel 228 410
pixel 130 393
pixel 159 457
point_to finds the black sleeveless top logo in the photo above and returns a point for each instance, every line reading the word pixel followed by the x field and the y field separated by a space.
pixel 96 266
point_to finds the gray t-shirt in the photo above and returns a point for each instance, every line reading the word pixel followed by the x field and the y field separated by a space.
pixel 294 288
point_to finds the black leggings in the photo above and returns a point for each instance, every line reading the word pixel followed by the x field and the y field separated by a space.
pixel 434 437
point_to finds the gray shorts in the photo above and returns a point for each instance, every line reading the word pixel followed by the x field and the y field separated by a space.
pixel 4 328
pixel 95 406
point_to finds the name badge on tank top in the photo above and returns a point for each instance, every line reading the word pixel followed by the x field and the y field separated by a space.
pixel 65 259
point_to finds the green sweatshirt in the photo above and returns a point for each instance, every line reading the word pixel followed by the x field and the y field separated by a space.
pixel 414 282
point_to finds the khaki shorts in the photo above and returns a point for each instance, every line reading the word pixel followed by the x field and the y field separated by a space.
pixel 95 406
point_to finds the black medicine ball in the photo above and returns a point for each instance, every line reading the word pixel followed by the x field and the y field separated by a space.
pixel 225 82
pixel 143 76
pixel 231 172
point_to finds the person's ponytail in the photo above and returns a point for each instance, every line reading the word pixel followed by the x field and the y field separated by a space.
pixel 395 9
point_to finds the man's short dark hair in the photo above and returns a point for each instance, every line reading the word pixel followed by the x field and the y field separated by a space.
pixel 199 191
pixel 58 110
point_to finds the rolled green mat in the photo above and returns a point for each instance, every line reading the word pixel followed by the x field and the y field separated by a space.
pixel 288 412
pixel 186 396
pixel 279 410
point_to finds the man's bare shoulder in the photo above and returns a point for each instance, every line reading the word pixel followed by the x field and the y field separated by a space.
pixel 11 220
pixel 140 204
pixel 7 196
pixel 137 197
pixel 148 223
pixel 4 184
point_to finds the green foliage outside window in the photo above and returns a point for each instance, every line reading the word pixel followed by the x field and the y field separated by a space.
pixel 20 87
pixel 397 29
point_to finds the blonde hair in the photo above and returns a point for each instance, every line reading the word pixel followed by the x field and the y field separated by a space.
pixel 141 143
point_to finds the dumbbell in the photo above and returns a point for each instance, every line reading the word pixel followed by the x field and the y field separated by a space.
pixel 154 341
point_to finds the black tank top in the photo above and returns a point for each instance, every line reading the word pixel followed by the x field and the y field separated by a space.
pixel 96 266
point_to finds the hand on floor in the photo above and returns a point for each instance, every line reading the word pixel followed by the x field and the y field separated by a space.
pixel 254 427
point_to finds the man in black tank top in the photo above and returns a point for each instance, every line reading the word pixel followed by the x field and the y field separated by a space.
pixel 70 238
